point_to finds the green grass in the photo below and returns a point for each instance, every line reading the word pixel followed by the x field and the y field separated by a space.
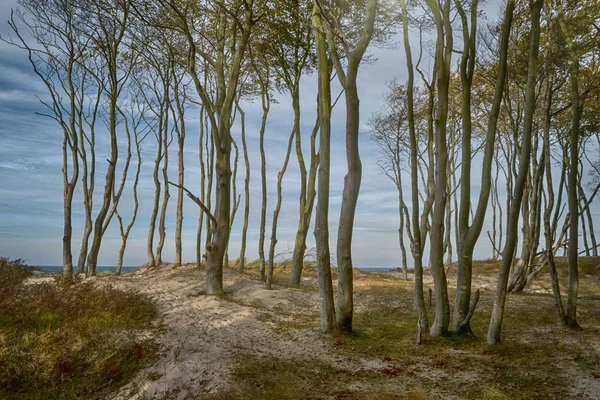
pixel 275 379
pixel 69 342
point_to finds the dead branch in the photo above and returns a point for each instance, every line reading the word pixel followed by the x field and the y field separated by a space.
pixel 197 201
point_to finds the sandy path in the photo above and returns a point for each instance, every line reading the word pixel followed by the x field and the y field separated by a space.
pixel 205 336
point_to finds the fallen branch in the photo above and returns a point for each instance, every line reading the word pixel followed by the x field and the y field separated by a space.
pixel 197 201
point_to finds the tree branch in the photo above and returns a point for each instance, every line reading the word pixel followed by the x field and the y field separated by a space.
pixel 197 201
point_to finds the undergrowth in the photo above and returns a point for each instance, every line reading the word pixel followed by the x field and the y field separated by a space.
pixel 68 342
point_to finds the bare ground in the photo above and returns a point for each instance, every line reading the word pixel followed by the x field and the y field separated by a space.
pixel 232 346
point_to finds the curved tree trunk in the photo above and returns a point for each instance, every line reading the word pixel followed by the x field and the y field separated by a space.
pixel 271 265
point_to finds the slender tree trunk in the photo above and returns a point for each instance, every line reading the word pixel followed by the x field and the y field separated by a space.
pixel 109 180
pixel 511 236
pixel 469 234
pixel 345 304
pixel 401 228
pixel 202 187
pixel 322 210
pixel 211 173
pixel 570 316
pixel 266 105
pixel 88 181
pixel 246 192
pixel 307 199
pixel 69 146
pixel 436 255
pixel 295 131
pixel 180 176
pixel 573 201
pixel 352 180
pixel 162 233
pixel 590 222
pixel 157 191
pixel 417 248
pixel 548 231
pixel 236 203
pixel 125 232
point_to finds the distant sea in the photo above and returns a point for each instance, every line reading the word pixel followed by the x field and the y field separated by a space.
pixel 104 268
pixel 377 269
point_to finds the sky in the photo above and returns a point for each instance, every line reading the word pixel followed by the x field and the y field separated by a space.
pixel 31 201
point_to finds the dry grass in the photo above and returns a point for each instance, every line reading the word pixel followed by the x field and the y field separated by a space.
pixel 537 359
pixel 68 342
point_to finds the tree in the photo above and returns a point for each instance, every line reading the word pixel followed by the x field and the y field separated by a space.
pixel 230 26
pixel 60 63
pixel 517 195
pixel 443 55
pixel 108 22
pixel 469 234
pixel 353 54
pixel 321 222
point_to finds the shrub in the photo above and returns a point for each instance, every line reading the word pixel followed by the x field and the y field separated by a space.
pixel 68 342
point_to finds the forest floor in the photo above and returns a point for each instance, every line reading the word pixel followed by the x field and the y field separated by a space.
pixel 252 343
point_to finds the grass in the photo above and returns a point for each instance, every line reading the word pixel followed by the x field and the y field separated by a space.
pixel 535 360
pixel 269 378
pixel 68 342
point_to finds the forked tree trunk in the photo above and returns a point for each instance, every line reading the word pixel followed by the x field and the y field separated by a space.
pixel 494 330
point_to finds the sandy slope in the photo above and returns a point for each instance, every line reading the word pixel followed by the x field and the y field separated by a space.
pixel 205 336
